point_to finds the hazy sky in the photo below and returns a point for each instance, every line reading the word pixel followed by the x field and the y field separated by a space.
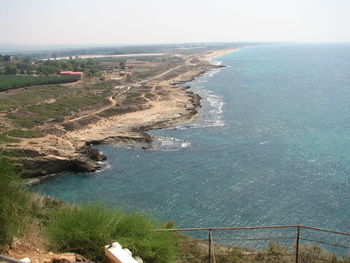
pixel 165 21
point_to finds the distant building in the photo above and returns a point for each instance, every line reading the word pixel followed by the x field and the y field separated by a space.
pixel 76 74
pixel 125 73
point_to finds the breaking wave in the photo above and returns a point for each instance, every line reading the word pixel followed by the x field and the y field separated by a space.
pixel 168 144
pixel 212 105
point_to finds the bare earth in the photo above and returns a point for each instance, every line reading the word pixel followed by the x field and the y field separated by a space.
pixel 172 109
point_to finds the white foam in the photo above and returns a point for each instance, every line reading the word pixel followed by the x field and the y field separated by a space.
pixel 105 165
pixel 164 143
pixel 211 113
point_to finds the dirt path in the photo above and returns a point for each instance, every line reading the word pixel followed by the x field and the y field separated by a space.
pixel 113 103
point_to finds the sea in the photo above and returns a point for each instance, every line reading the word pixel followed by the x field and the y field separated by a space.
pixel 270 146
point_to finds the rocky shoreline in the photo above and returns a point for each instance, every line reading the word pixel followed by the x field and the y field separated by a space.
pixel 42 168
pixel 179 106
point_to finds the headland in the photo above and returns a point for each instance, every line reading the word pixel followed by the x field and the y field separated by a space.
pixel 128 111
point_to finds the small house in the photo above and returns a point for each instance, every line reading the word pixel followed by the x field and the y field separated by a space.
pixel 77 74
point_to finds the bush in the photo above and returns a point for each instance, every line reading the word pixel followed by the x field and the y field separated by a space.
pixel 4 138
pixel 85 230
pixel 24 134
pixel 14 205
pixel 14 82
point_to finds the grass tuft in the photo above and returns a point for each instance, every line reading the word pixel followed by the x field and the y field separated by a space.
pixel 14 205
pixel 24 134
pixel 85 230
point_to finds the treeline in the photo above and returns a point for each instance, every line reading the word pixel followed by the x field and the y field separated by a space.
pixel 90 67
pixel 13 82
pixel 11 65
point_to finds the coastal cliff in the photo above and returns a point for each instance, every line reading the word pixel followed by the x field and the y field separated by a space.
pixel 157 103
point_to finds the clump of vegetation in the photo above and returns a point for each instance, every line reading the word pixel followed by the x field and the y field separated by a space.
pixel 12 81
pixel 85 230
pixel 5 139
pixel 38 105
pixel 10 153
pixel 12 65
pixel 14 205
pixel 149 95
pixel 24 134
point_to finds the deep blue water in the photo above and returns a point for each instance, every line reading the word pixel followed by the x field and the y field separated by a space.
pixel 271 146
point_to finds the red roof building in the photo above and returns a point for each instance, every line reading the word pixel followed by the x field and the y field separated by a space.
pixel 76 74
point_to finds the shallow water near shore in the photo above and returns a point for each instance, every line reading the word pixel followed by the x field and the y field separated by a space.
pixel 271 146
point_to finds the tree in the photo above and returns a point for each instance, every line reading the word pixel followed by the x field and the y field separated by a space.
pixel 27 60
pixel 128 78
pixel 122 65
pixel 54 55
pixel 7 58
pixel 10 70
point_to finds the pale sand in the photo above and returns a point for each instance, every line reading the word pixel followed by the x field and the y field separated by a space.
pixel 169 110
pixel 220 52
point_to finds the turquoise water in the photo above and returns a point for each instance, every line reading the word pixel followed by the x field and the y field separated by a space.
pixel 271 146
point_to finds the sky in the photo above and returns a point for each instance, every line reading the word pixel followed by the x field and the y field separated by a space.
pixel 177 21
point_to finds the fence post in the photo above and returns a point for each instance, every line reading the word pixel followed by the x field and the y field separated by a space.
pixel 297 245
pixel 209 240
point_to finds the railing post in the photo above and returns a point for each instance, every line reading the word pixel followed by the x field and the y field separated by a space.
pixel 209 240
pixel 297 245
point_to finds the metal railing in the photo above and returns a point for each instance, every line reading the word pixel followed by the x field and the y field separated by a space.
pixel 213 243
pixel 299 243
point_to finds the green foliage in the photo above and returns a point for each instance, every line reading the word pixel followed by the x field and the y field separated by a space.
pixel 145 73
pixel 276 253
pixel 44 207
pixel 149 95
pixel 128 79
pixel 310 253
pixel 122 65
pixel 85 230
pixel 13 82
pixel 10 153
pixel 24 134
pixel 37 105
pixel 10 70
pixel 4 139
pixel 14 205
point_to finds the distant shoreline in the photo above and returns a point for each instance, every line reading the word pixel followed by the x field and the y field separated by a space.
pixel 178 106
pixel 107 56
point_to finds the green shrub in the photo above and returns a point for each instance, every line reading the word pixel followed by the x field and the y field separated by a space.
pixel 149 95
pixel 5 138
pixel 13 81
pixel 24 134
pixel 14 205
pixel 136 232
pixel 85 230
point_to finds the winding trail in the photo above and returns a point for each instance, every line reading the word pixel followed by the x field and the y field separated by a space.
pixel 112 104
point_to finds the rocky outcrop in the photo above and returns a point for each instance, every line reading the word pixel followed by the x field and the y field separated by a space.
pixel 67 146
pixel 35 163
pixel 41 166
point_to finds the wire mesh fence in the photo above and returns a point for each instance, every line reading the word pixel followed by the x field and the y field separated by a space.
pixel 280 244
